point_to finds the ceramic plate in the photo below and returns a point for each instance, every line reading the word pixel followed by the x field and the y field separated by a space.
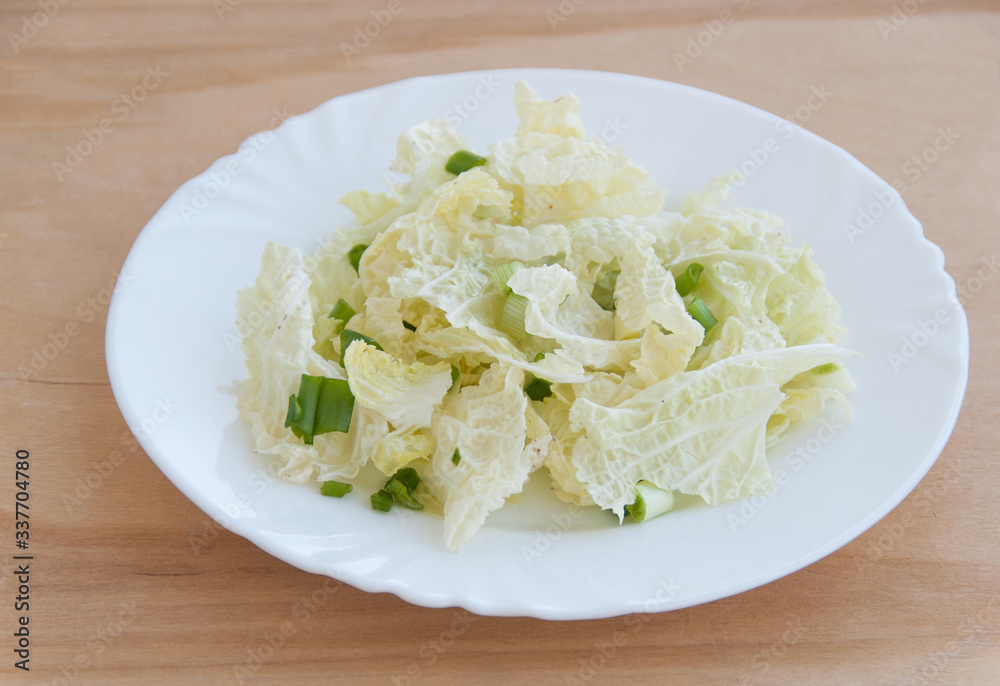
pixel 174 362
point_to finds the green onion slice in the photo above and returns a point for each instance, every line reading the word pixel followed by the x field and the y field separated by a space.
pixel 489 212
pixel 650 502
pixel 604 291
pixel 382 501
pixel 348 336
pixel 354 255
pixel 827 368
pixel 342 311
pixel 301 415
pixel 322 405
pixel 687 281
pixel 700 312
pixel 539 357
pixel 335 407
pixel 463 160
pixel 538 389
pixel 408 326
pixel 294 411
pixel 402 495
pixel 408 477
pixel 512 317
pixel 456 457
pixel 502 273
pixel 337 489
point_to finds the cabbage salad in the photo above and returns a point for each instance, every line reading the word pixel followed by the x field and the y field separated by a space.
pixel 532 306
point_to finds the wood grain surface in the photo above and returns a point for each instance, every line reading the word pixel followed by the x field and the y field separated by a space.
pixel 120 594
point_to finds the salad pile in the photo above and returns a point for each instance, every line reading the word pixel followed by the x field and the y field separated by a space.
pixel 533 307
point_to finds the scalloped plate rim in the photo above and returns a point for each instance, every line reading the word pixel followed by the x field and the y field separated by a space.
pixel 416 595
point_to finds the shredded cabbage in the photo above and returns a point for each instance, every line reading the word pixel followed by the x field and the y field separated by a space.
pixel 638 389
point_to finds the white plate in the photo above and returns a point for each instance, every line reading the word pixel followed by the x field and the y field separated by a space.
pixel 174 362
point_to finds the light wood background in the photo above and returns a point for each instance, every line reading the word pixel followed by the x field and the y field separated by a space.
pixel 118 593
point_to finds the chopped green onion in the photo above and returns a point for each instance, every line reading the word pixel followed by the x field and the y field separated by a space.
pixel 650 502
pixel 512 317
pixel 604 291
pixel 382 501
pixel 687 281
pixel 354 255
pixel 348 336
pixel 402 495
pixel 322 405
pixel 463 160
pixel 342 311
pixel 502 273
pixel 489 212
pixel 294 410
pixel 539 389
pixel 301 415
pixel 337 489
pixel 455 374
pixel 334 408
pixel 408 326
pixel 699 310
pixel 399 488
pixel 827 368
pixel 539 357
pixel 456 457
pixel 408 477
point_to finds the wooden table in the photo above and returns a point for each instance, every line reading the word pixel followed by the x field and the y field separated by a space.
pixel 118 592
